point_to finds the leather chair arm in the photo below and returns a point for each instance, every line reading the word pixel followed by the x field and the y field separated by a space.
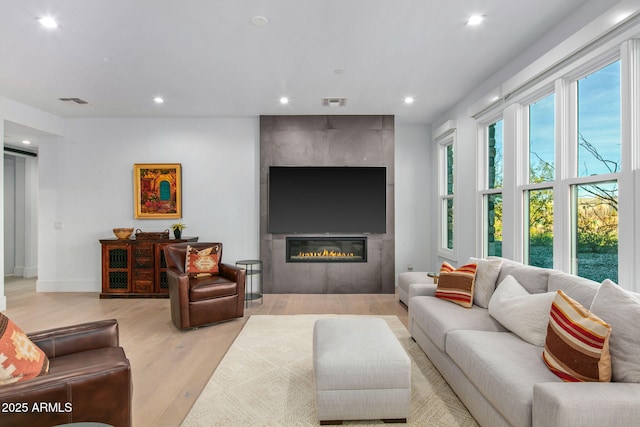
pixel 114 361
pixel 236 274
pixel 232 272
pixel 74 339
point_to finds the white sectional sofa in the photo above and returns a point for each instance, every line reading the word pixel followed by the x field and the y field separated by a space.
pixel 503 380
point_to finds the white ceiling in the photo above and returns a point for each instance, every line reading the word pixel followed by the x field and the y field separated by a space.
pixel 207 59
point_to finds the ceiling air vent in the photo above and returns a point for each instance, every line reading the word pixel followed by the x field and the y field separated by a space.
pixel 78 101
pixel 334 102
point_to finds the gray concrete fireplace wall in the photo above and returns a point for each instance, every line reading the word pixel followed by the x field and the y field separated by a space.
pixel 327 141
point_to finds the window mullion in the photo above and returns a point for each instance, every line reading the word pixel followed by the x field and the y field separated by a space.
pixel 566 128
pixel 629 231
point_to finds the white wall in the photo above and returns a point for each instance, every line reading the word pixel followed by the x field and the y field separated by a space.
pixel 86 188
pixel 9 213
pixel 413 185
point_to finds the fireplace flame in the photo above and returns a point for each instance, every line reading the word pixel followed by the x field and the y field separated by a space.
pixel 326 253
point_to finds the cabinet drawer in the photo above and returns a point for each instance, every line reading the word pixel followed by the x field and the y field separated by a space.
pixel 145 286
pixel 145 250
pixel 143 262
pixel 143 275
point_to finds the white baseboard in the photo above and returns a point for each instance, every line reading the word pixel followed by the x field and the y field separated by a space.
pixel 30 272
pixel 26 272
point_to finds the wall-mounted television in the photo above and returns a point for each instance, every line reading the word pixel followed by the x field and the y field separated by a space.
pixel 327 199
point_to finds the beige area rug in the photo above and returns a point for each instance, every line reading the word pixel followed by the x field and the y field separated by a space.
pixel 266 379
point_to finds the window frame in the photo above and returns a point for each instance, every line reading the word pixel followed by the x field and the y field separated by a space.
pixel 445 139
pixel 482 180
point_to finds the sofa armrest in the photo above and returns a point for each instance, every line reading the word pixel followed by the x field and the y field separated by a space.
pixel 422 290
pixel 586 404
pixel 77 338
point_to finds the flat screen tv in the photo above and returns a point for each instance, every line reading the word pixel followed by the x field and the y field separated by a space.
pixel 321 199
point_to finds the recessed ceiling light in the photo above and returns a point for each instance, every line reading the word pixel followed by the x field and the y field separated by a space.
pixel 158 100
pixel 26 142
pixel 409 100
pixel 284 100
pixel 48 22
pixel 475 20
pixel 259 21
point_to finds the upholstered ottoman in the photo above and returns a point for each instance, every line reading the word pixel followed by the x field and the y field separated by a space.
pixel 361 371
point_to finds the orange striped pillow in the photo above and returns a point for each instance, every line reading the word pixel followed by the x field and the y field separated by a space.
pixel 456 285
pixel 577 344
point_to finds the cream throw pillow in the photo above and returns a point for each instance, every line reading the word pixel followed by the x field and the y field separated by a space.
pixel 486 277
pixel 621 310
pixel 524 314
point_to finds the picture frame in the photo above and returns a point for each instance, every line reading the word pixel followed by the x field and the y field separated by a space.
pixel 157 189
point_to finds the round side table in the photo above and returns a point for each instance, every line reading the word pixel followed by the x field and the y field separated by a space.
pixel 253 284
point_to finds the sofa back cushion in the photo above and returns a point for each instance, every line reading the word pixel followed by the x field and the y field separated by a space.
pixel 533 279
pixel 580 289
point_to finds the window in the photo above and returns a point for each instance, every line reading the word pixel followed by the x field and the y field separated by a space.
pixel 558 164
pixel 538 196
pixel 595 191
pixel 495 154
pixel 595 233
pixel 542 140
pixel 447 187
pixel 599 122
pixel 539 242
pixel 492 197
pixel 493 224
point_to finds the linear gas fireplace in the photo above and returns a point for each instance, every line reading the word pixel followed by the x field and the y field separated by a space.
pixel 326 249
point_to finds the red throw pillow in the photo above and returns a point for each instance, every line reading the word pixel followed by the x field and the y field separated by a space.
pixel 456 285
pixel 577 344
pixel 20 358
pixel 203 262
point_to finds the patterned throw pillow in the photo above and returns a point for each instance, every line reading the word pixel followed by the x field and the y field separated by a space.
pixel 202 263
pixel 20 359
pixel 456 285
pixel 577 344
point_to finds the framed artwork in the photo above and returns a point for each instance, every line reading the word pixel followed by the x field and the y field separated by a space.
pixel 157 189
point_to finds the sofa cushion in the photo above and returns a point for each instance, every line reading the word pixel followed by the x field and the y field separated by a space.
pixel 437 317
pixel 577 345
pixel 20 358
pixel 580 289
pixel 456 285
pixel 504 367
pixel 525 314
pixel 533 279
pixel 621 310
pixel 486 277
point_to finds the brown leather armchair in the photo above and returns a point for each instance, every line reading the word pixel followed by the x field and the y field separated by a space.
pixel 89 380
pixel 196 302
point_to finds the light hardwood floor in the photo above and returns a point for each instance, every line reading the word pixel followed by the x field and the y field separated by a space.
pixel 171 367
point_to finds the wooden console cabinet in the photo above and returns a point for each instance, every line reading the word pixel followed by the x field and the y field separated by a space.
pixel 136 268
